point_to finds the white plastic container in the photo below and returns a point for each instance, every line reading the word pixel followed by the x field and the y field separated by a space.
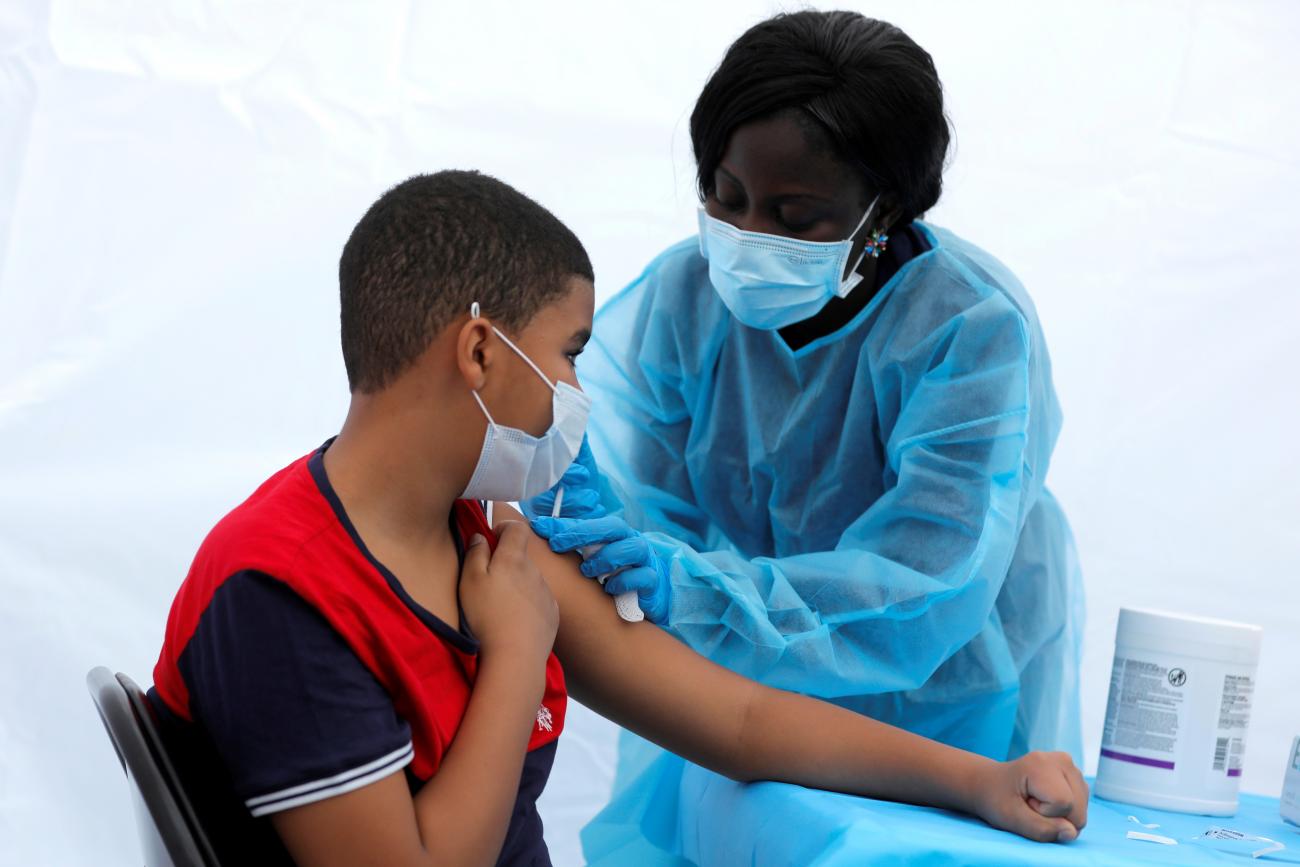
pixel 1290 800
pixel 1180 697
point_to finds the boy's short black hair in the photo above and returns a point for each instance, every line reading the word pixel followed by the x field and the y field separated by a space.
pixel 430 247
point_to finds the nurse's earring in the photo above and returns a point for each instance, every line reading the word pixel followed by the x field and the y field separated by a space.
pixel 876 244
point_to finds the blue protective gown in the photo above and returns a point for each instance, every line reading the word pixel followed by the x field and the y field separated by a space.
pixel 863 519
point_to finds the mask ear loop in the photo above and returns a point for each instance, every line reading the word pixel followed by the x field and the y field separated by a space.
pixel 483 407
pixel 851 283
pixel 474 313
pixel 871 207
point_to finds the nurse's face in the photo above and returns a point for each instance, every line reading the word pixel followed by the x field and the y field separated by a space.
pixel 772 179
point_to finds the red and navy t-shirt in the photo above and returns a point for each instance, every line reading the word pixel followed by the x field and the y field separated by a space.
pixel 296 667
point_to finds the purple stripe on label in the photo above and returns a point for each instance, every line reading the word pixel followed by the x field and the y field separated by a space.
pixel 1137 760
pixel 1234 772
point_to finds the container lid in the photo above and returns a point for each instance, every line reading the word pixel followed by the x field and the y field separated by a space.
pixel 1188 628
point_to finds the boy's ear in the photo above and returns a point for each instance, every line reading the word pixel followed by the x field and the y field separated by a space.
pixel 474 352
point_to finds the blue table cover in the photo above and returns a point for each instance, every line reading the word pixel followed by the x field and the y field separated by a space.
pixel 781 825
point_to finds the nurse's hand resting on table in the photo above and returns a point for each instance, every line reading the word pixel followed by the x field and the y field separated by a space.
pixel 624 554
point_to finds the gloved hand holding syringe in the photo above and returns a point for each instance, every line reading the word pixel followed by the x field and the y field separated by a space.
pixel 571 517
pixel 624 603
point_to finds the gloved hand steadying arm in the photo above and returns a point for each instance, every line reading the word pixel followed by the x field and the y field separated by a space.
pixel 627 558
pixel 581 491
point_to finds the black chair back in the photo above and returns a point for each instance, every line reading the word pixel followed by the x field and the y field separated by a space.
pixel 170 833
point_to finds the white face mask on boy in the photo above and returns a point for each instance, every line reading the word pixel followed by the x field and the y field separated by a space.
pixel 515 465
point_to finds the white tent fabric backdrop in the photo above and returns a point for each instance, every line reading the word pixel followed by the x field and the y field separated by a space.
pixel 177 179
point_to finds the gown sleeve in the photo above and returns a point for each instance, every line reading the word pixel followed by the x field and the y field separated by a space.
pixel 911 579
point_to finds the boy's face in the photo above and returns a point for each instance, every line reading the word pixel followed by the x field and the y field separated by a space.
pixel 553 339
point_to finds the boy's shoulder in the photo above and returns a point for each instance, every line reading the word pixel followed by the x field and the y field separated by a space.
pixel 267 531
pixel 269 534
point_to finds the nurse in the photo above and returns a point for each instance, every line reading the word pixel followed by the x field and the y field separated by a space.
pixel 824 425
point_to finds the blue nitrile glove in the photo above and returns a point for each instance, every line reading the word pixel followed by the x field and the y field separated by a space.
pixel 623 550
pixel 581 491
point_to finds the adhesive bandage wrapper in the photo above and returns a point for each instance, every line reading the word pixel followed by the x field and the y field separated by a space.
pixel 1237 842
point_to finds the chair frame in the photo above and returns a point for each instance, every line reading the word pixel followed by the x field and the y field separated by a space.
pixel 170 831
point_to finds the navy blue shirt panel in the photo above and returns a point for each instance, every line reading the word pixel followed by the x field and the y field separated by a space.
pixel 293 713
pixel 524 843
pixel 239 838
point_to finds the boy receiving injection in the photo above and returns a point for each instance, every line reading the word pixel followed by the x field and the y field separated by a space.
pixel 358 669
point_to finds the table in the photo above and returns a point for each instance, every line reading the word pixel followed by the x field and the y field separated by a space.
pixel 780 825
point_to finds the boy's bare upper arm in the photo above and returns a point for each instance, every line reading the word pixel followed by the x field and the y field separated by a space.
pixel 375 824
pixel 638 675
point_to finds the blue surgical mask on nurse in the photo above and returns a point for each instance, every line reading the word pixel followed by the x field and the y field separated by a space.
pixel 770 281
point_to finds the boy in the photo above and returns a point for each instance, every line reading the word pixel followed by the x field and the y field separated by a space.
pixel 358 656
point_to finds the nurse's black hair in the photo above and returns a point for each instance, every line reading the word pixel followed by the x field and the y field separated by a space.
pixel 430 247
pixel 862 86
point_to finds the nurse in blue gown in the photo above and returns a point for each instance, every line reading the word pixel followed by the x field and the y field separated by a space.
pixel 823 425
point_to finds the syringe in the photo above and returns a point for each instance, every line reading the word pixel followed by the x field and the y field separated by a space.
pixel 625 604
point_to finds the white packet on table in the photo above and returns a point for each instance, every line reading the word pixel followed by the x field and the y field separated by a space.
pixel 1237 842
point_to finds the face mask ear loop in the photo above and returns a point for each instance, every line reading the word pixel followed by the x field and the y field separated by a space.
pixel 871 207
pixel 537 370
pixel 474 314
pixel 483 407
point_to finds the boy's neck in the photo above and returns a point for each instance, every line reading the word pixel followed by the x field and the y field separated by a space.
pixel 393 473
